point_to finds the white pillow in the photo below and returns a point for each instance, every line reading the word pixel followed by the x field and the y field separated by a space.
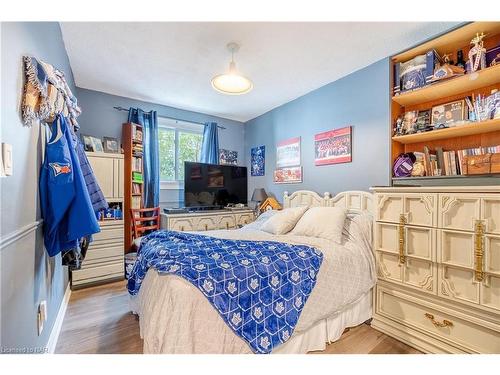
pixel 283 221
pixel 322 222
pixel 261 220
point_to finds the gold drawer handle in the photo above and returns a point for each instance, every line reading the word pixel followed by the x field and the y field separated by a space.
pixel 206 226
pixel 182 228
pixel 479 250
pixel 445 323
pixel 402 222
pixel 227 225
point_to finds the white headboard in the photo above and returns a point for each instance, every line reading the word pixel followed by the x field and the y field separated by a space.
pixel 354 201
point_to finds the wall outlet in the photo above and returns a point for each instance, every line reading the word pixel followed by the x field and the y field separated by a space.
pixel 41 316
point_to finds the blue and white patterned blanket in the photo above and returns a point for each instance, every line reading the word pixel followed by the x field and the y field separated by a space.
pixel 258 287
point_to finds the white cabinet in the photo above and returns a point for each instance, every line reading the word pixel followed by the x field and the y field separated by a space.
pixel 104 260
pixel 108 169
pixel 438 250
pixel 207 220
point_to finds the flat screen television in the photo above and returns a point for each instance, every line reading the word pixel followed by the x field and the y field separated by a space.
pixel 213 186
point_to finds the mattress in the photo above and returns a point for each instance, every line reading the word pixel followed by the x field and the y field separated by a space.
pixel 175 317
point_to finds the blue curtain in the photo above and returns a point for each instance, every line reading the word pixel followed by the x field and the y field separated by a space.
pixel 149 123
pixel 210 145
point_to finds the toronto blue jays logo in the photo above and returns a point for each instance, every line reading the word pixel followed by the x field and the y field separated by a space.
pixel 60 168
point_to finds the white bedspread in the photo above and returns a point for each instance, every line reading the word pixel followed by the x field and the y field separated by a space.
pixel 175 317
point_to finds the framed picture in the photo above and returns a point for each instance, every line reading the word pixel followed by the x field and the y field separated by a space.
pixel 291 175
pixel 88 145
pixel 258 161
pixel 111 145
pixel 228 157
pixel 97 143
pixel 333 147
pixel 410 122
pixel 288 153
pixel 447 114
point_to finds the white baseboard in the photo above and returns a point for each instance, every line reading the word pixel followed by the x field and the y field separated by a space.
pixel 56 329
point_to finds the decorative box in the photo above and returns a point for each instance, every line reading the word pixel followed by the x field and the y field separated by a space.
pixel 481 164
pixel 493 54
pixel 110 214
pixel 416 72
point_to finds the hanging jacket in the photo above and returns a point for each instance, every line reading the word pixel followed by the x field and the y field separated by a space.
pixel 95 193
pixel 66 208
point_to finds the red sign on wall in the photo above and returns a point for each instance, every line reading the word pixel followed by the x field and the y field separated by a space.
pixel 333 147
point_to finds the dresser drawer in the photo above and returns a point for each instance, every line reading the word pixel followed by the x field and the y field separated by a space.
pixel 244 218
pixel 459 211
pixel 181 224
pixel 102 252
pixel 207 223
pixel 417 209
pixel 227 222
pixel 490 213
pixel 105 271
pixel 463 331
pixel 109 232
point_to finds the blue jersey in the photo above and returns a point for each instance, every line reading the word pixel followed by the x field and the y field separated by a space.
pixel 66 208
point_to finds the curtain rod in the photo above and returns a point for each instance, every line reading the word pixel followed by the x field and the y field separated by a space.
pixel 170 118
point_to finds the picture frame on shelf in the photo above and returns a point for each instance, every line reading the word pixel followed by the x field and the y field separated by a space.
pixel 111 145
pixel 445 115
pixel 88 145
pixel 97 143
pixel 410 122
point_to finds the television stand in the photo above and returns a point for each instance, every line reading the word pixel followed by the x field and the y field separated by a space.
pixel 207 219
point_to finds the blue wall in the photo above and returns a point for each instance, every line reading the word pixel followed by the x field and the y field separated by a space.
pixel 28 275
pixel 100 119
pixel 361 100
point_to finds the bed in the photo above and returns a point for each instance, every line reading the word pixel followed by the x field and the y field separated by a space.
pixel 175 317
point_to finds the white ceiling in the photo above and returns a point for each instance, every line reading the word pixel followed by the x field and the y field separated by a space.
pixel 172 63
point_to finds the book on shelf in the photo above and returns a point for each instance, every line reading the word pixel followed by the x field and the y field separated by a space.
pixel 429 162
pixel 450 162
pixel 136 202
pixel 136 164
pixel 440 160
pixel 137 178
pixel 136 134
pixel 136 188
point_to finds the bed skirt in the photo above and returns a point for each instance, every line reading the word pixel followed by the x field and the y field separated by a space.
pixel 315 338
pixel 329 329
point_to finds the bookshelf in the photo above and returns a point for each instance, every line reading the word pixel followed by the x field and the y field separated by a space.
pixel 453 86
pixel 132 141
pixel 479 135
pixel 474 128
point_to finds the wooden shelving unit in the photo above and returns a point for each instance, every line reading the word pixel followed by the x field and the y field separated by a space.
pixel 454 86
pixel 457 131
pixel 132 141
pixel 479 180
pixel 469 135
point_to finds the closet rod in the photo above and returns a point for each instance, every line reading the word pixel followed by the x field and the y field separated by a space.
pixel 170 118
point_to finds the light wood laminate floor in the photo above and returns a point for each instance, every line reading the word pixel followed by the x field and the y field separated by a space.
pixel 98 320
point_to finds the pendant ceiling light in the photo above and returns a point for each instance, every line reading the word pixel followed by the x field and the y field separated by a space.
pixel 232 82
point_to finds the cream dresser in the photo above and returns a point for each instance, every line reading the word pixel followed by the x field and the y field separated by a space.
pixel 104 260
pixel 438 265
pixel 207 220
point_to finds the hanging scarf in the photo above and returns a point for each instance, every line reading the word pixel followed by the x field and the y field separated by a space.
pixel 46 93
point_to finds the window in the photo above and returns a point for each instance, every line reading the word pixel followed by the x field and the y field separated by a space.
pixel 178 142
